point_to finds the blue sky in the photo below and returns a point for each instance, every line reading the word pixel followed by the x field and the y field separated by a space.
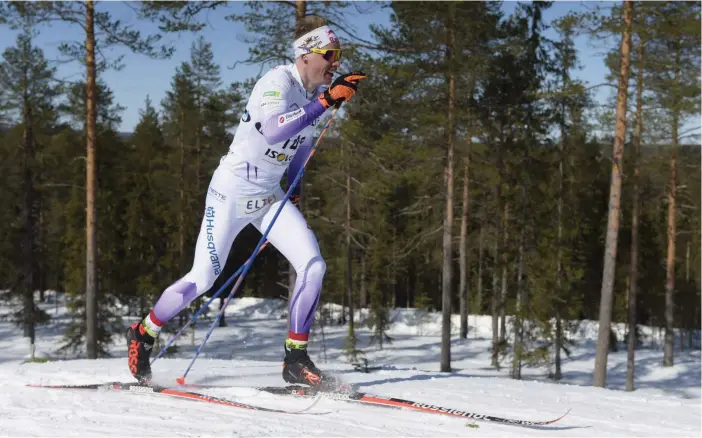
pixel 142 76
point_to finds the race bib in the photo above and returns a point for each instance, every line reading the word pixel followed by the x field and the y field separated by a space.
pixel 254 206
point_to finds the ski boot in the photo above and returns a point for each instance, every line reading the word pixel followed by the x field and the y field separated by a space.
pixel 298 368
pixel 140 344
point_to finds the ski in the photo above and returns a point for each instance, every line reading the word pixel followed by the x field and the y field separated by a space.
pixel 368 399
pixel 138 388
pixel 345 393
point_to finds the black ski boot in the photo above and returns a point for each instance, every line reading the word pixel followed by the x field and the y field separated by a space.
pixel 140 344
pixel 298 368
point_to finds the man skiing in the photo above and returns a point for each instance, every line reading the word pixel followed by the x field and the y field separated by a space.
pixel 275 133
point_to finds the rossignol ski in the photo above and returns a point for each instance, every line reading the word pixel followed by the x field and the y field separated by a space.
pixel 138 388
pixel 369 399
pixel 345 393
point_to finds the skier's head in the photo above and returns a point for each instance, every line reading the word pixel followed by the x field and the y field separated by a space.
pixel 317 51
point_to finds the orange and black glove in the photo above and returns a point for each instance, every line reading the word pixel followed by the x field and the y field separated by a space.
pixel 342 89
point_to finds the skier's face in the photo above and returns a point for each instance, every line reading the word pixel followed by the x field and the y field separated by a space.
pixel 321 66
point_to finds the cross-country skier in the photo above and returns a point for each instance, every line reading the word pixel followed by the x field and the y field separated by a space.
pixel 275 134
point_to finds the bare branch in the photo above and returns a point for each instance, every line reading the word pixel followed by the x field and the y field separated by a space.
pixel 422 238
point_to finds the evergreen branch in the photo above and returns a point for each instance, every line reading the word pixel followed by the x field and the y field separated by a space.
pixel 360 42
pixel 65 13
pixel 176 16
pixel 287 3
pixel 129 38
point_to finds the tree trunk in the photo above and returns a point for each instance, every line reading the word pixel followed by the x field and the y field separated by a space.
pixel 42 251
pixel 349 248
pixel 634 268
pixel 687 261
pixel 342 317
pixel 300 12
pixel 670 262
pixel 28 248
pixel 198 142
pixel 498 260
pixel 181 217
pixel 691 324
pixel 464 288
pixel 364 290
pixel 181 211
pixel 518 317
pixel 493 304
pixel 503 287
pixel 197 302
pixel 600 373
pixel 91 185
pixel 448 215
pixel 558 345
pixel 670 259
pixel 479 300
pixel 558 341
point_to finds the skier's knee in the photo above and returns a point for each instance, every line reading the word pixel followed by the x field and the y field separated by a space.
pixel 316 267
pixel 204 279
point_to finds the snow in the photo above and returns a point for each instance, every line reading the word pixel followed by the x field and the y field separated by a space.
pixel 249 352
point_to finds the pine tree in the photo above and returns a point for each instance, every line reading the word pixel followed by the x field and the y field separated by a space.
pixel 429 43
pixel 73 213
pixel 28 92
pixel 639 23
pixel 675 61
pixel 512 117
pixel 147 198
pixel 569 101
pixel 90 20
pixel 600 372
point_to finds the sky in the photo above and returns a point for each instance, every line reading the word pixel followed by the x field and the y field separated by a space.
pixel 142 76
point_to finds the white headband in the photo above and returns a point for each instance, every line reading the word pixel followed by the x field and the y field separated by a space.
pixel 317 38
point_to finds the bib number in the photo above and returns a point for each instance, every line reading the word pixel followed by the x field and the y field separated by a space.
pixel 295 143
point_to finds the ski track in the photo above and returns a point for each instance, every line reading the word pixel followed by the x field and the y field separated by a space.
pixel 249 352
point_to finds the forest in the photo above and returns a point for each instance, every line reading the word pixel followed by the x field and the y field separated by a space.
pixel 472 174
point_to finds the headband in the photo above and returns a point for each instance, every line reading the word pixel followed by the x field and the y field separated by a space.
pixel 316 38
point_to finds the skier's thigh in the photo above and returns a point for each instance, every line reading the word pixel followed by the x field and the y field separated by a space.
pixel 290 235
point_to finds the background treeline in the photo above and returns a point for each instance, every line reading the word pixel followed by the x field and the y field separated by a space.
pixel 471 174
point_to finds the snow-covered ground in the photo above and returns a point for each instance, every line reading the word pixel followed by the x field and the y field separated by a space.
pixel 249 352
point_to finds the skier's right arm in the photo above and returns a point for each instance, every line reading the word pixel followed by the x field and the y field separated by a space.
pixel 280 122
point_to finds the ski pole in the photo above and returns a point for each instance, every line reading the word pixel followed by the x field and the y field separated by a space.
pixel 249 262
pixel 202 309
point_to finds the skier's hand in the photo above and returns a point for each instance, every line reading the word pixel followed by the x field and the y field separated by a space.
pixel 342 89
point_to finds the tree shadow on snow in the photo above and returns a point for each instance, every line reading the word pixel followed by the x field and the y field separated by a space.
pixel 682 380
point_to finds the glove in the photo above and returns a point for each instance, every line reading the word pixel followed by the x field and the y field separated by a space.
pixel 342 89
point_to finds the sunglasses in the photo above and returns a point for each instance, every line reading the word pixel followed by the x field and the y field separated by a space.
pixel 331 55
